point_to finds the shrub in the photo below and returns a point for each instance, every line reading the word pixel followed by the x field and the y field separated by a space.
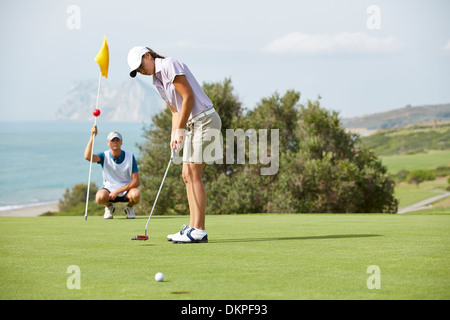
pixel 77 195
pixel 321 169
pixel 419 176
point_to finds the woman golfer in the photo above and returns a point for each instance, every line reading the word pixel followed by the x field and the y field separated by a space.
pixel 194 123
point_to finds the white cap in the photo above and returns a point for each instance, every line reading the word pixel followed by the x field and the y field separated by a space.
pixel 113 135
pixel 135 59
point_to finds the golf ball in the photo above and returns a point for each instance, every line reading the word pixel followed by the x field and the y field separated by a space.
pixel 96 112
pixel 159 277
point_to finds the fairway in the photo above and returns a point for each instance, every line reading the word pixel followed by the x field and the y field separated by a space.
pixel 420 161
pixel 409 194
pixel 266 256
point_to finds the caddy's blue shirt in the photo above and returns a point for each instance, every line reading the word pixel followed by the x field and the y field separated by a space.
pixel 118 160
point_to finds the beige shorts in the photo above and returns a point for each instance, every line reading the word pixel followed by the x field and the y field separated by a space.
pixel 203 141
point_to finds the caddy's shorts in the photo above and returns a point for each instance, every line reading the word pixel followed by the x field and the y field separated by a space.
pixel 119 199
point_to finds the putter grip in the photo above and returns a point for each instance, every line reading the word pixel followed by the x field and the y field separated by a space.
pixel 174 150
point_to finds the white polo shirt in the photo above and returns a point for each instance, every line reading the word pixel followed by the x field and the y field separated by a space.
pixel 165 72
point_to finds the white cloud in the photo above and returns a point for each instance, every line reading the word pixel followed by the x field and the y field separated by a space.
pixel 447 46
pixel 345 42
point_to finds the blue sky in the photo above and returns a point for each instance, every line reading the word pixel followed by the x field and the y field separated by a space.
pixel 360 56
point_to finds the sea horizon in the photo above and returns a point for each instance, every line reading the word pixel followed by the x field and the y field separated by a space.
pixel 41 159
pixel 29 205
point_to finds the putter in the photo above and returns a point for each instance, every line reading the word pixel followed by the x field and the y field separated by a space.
pixel 145 237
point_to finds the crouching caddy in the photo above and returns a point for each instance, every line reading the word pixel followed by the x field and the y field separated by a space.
pixel 120 175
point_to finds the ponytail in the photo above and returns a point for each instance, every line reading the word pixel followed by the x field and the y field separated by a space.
pixel 154 54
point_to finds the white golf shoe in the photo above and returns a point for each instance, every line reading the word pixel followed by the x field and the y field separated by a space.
pixel 184 228
pixel 130 212
pixel 109 212
pixel 191 236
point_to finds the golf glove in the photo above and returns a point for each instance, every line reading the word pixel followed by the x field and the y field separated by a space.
pixel 177 139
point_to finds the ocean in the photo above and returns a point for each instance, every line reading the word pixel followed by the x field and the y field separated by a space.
pixel 40 160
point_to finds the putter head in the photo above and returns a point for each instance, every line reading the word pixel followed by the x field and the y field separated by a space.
pixel 140 238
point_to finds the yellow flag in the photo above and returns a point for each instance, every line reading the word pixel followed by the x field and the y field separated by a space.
pixel 102 58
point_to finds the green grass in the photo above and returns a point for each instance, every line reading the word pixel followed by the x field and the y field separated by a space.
pixel 424 161
pixel 409 194
pixel 282 256
pixel 439 210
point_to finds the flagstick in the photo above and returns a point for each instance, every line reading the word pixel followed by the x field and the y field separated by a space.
pixel 98 90
pixel 92 149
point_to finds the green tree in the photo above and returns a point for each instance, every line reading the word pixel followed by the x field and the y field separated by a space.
pixel 419 176
pixel 329 173
pixel 225 102
pixel 276 112
pixel 155 155
pixel 229 107
pixel 322 167
pixel 72 198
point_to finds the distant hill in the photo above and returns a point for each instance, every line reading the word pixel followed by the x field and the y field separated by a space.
pixel 409 140
pixel 400 117
pixel 132 101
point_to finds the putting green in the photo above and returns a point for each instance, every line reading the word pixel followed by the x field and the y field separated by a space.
pixel 283 256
